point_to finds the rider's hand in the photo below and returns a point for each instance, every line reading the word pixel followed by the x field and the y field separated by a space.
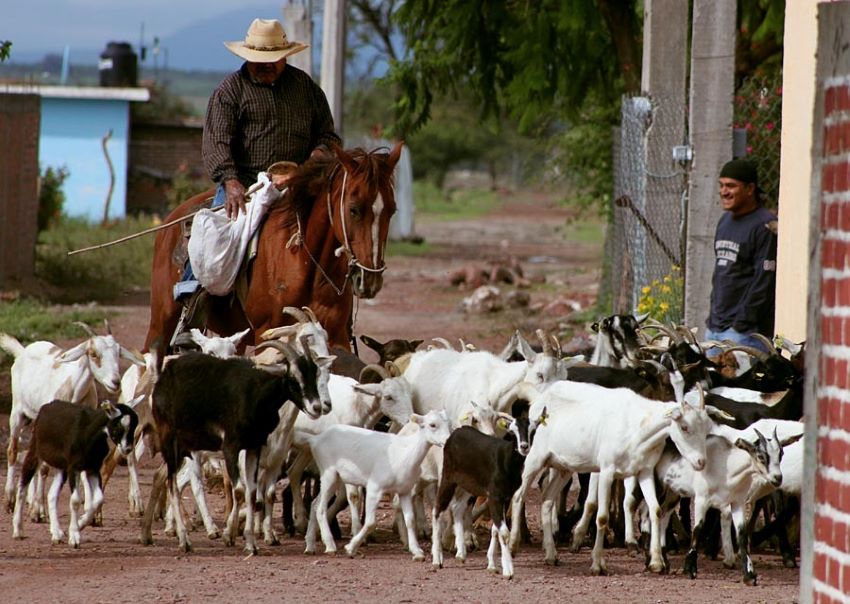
pixel 234 199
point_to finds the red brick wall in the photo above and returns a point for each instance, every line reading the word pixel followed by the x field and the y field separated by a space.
pixel 20 117
pixel 157 152
pixel 831 562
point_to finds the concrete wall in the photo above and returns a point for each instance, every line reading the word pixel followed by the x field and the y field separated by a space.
pixel 71 133
pixel 798 97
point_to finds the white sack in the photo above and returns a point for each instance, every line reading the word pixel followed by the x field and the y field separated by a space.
pixel 218 245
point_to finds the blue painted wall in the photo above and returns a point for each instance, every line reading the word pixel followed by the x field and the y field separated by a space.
pixel 71 133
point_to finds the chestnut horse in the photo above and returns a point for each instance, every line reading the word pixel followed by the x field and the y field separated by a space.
pixel 322 243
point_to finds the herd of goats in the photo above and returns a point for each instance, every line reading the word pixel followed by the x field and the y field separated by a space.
pixel 440 428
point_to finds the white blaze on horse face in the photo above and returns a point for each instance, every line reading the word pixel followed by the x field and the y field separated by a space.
pixel 377 208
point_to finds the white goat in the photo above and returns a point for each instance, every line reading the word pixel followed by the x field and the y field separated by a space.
pixel 611 431
pixel 43 372
pixel 447 379
pixel 353 404
pixel 381 462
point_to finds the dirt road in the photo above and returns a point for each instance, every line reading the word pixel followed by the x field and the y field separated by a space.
pixel 416 302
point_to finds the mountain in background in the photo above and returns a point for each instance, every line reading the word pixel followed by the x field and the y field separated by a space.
pixel 201 46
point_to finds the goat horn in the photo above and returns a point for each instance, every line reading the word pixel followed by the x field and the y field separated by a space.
pixel 277 333
pixel 380 370
pixel 107 326
pixel 766 341
pixel 674 337
pixel 86 328
pixel 296 313
pixel 750 350
pixel 287 350
pixel 701 396
pixel 557 345
pixel 444 342
pixel 305 346
pixel 310 313
pixel 544 341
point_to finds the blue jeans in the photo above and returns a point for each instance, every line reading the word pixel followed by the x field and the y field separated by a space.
pixel 744 339
pixel 188 284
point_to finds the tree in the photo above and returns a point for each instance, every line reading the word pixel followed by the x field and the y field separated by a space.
pixel 529 58
pixel 5 50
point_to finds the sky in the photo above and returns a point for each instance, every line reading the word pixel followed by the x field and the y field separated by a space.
pixel 40 24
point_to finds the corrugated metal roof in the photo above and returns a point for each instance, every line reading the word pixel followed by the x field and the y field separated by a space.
pixel 79 92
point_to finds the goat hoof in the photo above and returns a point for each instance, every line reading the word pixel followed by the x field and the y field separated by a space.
pixel 729 563
pixel 508 576
pixel 632 549
pixel 214 534
pixel 492 569
pixel 598 571
pixel 551 561
pixel 789 563
pixel 146 541
pixel 750 579
pixel 436 565
pixel 170 532
pixel 460 559
pixel 419 557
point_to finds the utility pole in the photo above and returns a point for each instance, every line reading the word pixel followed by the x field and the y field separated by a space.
pixel 712 92
pixel 298 24
pixel 663 78
pixel 333 58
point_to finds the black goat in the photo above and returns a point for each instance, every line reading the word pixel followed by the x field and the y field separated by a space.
pixel 73 439
pixel 483 466
pixel 202 403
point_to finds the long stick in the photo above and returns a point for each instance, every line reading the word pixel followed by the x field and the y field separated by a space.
pixel 140 233
pixel 248 194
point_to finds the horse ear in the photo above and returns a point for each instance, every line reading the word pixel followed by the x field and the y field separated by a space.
pixel 343 157
pixel 392 159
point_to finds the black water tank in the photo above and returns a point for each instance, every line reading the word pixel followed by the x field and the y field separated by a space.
pixel 118 65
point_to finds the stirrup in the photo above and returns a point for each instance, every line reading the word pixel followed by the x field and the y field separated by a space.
pixel 192 314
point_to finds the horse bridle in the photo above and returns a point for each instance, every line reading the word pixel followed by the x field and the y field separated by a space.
pixel 353 262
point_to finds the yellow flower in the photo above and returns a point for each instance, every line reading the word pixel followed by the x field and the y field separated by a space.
pixel 664 307
pixel 666 289
pixel 646 289
pixel 667 278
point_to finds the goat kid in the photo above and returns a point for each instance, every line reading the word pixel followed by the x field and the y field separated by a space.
pixel 380 462
pixel 484 466
pixel 72 439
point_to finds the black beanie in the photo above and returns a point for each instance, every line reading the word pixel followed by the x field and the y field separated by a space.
pixel 743 170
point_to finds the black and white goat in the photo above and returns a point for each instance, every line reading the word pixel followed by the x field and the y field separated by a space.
pixel 485 466
pixel 72 439
pixel 202 403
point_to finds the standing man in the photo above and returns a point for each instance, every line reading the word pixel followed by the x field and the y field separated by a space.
pixel 744 281
pixel 261 114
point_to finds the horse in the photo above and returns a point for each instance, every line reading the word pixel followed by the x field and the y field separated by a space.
pixel 320 246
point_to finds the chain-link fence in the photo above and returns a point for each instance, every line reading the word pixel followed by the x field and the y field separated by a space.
pixel 646 228
pixel 758 117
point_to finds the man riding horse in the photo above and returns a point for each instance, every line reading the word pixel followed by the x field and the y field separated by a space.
pixel 263 113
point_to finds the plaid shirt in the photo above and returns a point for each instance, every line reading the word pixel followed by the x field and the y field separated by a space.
pixel 249 126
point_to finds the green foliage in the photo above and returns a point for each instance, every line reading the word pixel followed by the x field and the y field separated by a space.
pixel 409 248
pixel 5 50
pixel 100 274
pixel 31 320
pixel 184 185
pixel 460 204
pixel 51 198
pixel 163 107
pixel 664 299
pixel 517 55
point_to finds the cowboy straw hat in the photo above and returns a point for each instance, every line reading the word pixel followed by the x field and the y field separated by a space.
pixel 265 42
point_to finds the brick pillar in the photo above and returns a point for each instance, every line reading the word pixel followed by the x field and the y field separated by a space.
pixel 826 543
pixel 20 117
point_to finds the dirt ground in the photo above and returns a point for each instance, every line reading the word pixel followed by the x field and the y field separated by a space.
pixel 416 302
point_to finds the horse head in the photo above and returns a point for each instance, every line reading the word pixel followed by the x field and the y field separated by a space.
pixel 361 201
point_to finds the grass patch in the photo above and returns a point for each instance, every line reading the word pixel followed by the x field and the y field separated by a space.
pixel 409 249
pixel 586 230
pixel 29 320
pixel 457 205
pixel 99 274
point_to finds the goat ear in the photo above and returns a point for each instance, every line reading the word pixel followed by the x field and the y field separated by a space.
pixel 718 414
pixel 791 439
pixel 327 361
pixel 368 389
pixel 237 337
pixel 133 356
pixel 417 419
pixel 544 416
pixel 372 343
pixel 745 445
pixel 75 353
pixel 675 413
pixel 110 410
pixel 414 344
pixel 502 423
pixel 132 404
pixel 595 326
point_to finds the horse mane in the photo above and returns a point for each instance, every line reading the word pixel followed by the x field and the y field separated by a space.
pixel 311 179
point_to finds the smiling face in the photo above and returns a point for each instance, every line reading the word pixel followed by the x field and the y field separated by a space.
pixel 737 197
